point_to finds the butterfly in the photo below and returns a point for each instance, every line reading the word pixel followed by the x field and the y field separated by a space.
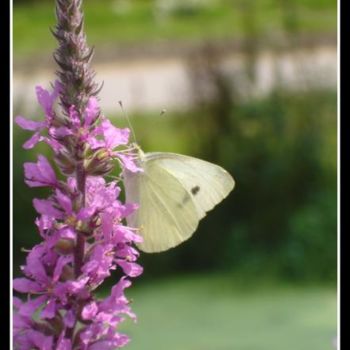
pixel 174 193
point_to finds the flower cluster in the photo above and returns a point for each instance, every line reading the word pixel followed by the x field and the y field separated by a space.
pixel 82 222
pixel 61 311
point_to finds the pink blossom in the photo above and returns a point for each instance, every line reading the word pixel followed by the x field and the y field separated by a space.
pixel 46 100
pixel 47 207
pixel 92 111
pixel 89 311
pixel 113 138
pixel 130 269
pixel 81 222
pixel 40 174
pixel 63 343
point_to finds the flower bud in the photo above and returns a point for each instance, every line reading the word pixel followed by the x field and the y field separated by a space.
pixel 65 246
pixel 82 150
pixel 103 169
pixel 99 163
pixel 65 162
pixel 67 273
pixel 84 228
pixel 86 150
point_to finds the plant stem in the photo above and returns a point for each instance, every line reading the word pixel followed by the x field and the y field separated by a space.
pixel 80 244
pixel 73 58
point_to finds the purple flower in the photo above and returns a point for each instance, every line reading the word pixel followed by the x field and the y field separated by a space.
pixel 59 208
pixel 113 138
pixel 32 339
pixel 32 126
pixel 81 222
pixel 82 126
pixel 105 316
pixel 89 311
pixel 47 207
pixel 39 282
pixel 46 100
pixel 100 262
pixel 117 341
pixel 130 268
pixel 40 174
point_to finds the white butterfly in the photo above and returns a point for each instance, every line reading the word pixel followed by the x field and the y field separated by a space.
pixel 174 193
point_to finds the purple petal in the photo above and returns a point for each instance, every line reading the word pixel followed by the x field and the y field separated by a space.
pixel 61 262
pixel 125 234
pixel 34 183
pixel 40 341
pixel 91 111
pixel 45 207
pixel 32 141
pixel 86 213
pixel 20 323
pixel 46 169
pixel 62 131
pixel 128 209
pixel 29 308
pixel 107 225
pixel 110 344
pixel 57 87
pixel 129 163
pixel 65 202
pixel 64 343
pixel 94 143
pixel 47 100
pixel 34 267
pixel 89 311
pixel 24 285
pixel 72 183
pixel 40 173
pixel 44 223
pixel 77 286
pixel 90 267
pixel 74 116
pixel 28 124
pixel 88 334
pixel 118 289
pixel 64 233
pixel 67 232
pixel 114 136
pixel 49 310
pixel 128 252
pixel 69 319
pixel 55 145
pixel 17 302
pixel 130 268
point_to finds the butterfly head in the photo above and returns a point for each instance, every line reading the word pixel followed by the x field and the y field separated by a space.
pixel 140 153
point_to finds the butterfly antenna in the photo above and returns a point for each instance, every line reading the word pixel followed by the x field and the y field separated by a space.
pixel 128 120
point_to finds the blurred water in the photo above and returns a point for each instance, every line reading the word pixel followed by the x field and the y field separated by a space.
pixel 165 83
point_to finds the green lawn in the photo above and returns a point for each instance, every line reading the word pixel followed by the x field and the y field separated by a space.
pixel 211 313
pixel 140 22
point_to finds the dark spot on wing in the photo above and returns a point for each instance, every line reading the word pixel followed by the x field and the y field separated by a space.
pixel 187 197
pixel 195 190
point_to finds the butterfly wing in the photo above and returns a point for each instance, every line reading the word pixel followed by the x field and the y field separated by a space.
pixel 167 215
pixel 174 193
pixel 207 183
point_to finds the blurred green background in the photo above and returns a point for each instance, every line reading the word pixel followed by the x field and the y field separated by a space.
pixel 260 272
